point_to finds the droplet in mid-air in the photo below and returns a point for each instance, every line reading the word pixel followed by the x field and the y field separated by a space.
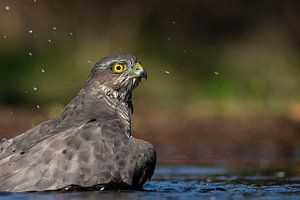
pixel 30 53
pixel 30 31
pixel 49 41
pixel 71 33
pixel 216 73
pixel 54 28
pixel 42 70
pixel 167 72
pixel 38 106
pixel 7 8
pixel 4 36
pixel 34 88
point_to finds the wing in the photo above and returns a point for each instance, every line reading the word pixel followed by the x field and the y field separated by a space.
pixel 74 115
pixel 89 154
pixel 145 164
pixel 82 147
pixel 28 138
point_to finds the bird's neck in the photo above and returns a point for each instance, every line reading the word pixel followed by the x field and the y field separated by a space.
pixel 120 102
pixel 105 102
pixel 124 111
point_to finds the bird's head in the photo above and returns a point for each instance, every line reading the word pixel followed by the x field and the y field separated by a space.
pixel 118 74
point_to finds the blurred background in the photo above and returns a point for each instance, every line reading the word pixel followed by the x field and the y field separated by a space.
pixel 224 76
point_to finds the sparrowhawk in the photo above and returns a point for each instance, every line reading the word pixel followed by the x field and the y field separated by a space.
pixel 89 143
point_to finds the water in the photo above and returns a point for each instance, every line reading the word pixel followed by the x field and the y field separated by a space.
pixel 191 183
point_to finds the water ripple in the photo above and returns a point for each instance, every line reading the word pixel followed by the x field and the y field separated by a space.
pixel 188 183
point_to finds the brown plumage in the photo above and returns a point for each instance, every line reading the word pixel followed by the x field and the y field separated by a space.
pixel 89 143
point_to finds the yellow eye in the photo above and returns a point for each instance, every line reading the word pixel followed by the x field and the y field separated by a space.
pixel 119 68
pixel 138 66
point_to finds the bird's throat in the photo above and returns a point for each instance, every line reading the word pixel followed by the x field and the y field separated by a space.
pixel 121 103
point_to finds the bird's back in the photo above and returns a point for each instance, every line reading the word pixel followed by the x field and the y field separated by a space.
pixel 84 156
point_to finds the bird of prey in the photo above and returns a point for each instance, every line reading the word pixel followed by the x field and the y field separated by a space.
pixel 89 143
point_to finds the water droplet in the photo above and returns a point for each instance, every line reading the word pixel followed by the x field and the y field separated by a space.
pixel 34 88
pixel 216 73
pixel 167 72
pixel 34 1
pixel 102 188
pixel 54 28
pixel 88 61
pixel 4 36
pixel 173 22
pixel 38 106
pixel 67 188
pixel 30 31
pixel 30 53
pixel 42 70
pixel 7 8
pixel 71 33
pixel 49 41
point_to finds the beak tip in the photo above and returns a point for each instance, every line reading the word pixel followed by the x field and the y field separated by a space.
pixel 140 74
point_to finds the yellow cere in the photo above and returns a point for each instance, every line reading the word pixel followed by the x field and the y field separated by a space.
pixel 119 68
pixel 138 66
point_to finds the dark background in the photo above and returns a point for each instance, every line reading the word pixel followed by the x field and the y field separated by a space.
pixel 223 83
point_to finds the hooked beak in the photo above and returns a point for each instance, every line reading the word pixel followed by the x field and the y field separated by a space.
pixel 140 73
